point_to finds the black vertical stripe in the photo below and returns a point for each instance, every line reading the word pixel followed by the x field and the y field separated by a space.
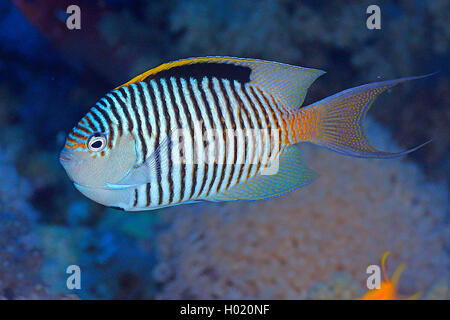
pixel 113 108
pixel 158 128
pixel 264 111
pixel 195 165
pixel 233 124
pixel 224 134
pixel 135 197
pixel 110 127
pixel 145 107
pixel 182 180
pixel 258 121
pixel 77 135
pixel 241 125
pixel 83 129
pixel 123 105
pixel 275 105
pixel 252 106
pixel 268 119
pixel 175 107
pixel 247 150
pixel 267 125
pixel 205 144
pixel 147 192
pixel 140 129
pixel 191 130
pixel 178 87
pixel 172 98
pixel 271 110
pixel 97 118
pixel 213 126
pixel 166 114
pixel 90 124
pixel 216 153
pixel 207 106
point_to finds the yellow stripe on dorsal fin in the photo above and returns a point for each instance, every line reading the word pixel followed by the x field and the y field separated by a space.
pixel 165 66
pixel 286 82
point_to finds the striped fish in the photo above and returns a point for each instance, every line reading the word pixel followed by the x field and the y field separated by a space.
pixel 215 129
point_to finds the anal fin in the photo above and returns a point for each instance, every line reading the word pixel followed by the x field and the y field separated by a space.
pixel 292 174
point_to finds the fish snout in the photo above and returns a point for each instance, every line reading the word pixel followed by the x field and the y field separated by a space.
pixel 70 163
pixel 65 156
pixel 69 160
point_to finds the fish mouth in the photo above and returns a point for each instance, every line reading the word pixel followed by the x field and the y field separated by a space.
pixel 65 156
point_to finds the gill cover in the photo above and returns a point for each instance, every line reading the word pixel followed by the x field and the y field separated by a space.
pixel 101 172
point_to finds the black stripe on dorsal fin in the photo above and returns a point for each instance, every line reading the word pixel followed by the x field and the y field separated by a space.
pixel 200 70
pixel 220 67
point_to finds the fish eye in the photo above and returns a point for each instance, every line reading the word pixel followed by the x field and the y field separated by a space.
pixel 97 142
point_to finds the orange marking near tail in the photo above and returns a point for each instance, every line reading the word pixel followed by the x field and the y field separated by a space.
pixel 308 120
pixel 284 125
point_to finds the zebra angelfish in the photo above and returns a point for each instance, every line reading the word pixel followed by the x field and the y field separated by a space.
pixel 240 121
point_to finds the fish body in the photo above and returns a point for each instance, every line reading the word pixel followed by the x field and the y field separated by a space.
pixel 215 129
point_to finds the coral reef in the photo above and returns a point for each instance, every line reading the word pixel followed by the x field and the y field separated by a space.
pixel 340 287
pixel 439 291
pixel 281 248
pixel 104 253
pixel 20 248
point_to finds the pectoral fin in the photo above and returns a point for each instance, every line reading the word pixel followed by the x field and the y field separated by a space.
pixel 141 174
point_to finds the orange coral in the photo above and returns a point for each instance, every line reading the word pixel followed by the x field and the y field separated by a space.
pixel 387 290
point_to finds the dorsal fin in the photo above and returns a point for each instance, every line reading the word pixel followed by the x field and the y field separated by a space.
pixel 288 83
pixel 163 70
